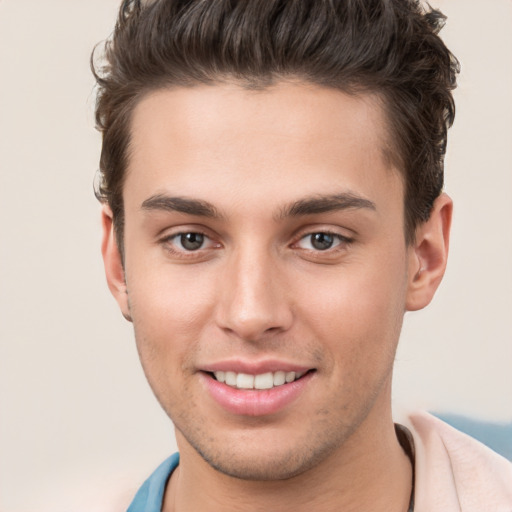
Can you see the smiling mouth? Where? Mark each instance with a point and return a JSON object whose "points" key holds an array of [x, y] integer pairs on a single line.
{"points": [[261, 381]]}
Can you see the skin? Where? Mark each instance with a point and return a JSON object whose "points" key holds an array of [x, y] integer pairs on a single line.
{"points": [[259, 290]]}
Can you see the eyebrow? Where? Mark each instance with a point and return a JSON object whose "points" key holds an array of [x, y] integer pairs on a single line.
{"points": [[322, 204], [162, 202], [306, 206]]}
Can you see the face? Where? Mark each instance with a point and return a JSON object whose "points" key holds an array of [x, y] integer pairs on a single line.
{"points": [[266, 270]]}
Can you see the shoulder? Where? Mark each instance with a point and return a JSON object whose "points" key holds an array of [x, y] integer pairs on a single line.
{"points": [[453, 470]]}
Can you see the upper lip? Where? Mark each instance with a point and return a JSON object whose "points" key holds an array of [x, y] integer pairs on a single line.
{"points": [[254, 367]]}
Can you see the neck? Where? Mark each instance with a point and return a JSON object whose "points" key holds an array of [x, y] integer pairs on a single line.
{"points": [[369, 472]]}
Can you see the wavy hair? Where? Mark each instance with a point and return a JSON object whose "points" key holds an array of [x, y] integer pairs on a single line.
{"points": [[387, 47]]}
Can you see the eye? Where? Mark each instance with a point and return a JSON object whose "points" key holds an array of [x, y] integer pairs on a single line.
{"points": [[321, 241], [189, 241], [189, 246]]}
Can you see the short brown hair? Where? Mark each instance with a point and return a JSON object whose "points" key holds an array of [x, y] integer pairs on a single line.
{"points": [[388, 47]]}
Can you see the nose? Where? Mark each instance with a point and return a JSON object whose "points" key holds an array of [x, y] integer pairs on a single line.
{"points": [[253, 303]]}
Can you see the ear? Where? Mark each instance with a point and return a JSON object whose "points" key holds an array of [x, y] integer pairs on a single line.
{"points": [[428, 255], [113, 263]]}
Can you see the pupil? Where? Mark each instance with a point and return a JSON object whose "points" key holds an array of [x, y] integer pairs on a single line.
{"points": [[192, 241], [322, 241]]}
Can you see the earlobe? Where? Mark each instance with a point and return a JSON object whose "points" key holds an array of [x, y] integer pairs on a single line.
{"points": [[113, 263], [428, 255]]}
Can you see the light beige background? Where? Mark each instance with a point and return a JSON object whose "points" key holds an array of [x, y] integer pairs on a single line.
{"points": [[77, 419]]}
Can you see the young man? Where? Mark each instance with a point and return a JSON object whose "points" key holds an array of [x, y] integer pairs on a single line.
{"points": [[272, 179]]}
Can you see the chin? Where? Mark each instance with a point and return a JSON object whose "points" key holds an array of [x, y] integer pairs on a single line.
{"points": [[264, 460], [260, 468]]}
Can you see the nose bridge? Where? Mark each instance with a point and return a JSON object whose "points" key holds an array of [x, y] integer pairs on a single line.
{"points": [[253, 301]]}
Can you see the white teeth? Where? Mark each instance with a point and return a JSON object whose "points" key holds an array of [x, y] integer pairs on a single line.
{"points": [[245, 381], [279, 378], [230, 378], [290, 377], [261, 381], [264, 381]]}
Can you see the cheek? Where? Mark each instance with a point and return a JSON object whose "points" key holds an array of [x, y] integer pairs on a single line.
{"points": [[169, 312], [357, 310], [169, 298]]}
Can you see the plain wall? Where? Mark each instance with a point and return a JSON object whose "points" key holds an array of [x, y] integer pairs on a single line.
{"points": [[77, 419]]}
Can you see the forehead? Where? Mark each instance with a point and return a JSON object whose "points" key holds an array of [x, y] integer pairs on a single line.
{"points": [[224, 136]]}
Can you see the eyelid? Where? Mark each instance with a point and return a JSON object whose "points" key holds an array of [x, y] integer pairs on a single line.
{"points": [[182, 229], [330, 255], [176, 236], [338, 239], [167, 242], [340, 233]]}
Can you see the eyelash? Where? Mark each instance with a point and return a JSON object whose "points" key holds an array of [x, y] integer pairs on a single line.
{"points": [[169, 243], [342, 241]]}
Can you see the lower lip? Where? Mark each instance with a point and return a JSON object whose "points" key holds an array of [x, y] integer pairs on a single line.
{"points": [[251, 402]]}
